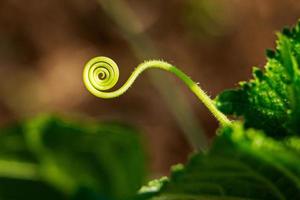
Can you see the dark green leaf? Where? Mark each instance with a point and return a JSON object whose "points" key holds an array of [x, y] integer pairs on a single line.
{"points": [[15, 189], [271, 101], [242, 164]]}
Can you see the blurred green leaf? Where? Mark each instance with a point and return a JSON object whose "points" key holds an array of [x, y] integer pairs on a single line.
{"points": [[14, 189], [90, 160], [242, 164]]}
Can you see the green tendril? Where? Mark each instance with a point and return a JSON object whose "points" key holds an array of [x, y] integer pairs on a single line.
{"points": [[102, 73]]}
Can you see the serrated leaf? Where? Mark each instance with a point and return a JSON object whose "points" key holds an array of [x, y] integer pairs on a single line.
{"points": [[242, 164], [271, 101]]}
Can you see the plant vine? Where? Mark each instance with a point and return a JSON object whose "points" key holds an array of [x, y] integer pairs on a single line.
{"points": [[102, 73]]}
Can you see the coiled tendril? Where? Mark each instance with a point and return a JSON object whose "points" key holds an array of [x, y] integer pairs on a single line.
{"points": [[102, 73]]}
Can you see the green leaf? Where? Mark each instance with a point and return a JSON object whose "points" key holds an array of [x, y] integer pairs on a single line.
{"points": [[271, 101], [13, 144], [242, 164], [92, 160], [14, 189]]}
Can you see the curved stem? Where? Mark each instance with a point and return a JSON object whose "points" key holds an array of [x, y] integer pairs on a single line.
{"points": [[88, 75], [202, 96]]}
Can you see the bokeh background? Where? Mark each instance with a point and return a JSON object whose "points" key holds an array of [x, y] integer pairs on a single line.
{"points": [[45, 44]]}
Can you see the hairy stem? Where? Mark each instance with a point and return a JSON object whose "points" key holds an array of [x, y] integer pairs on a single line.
{"points": [[102, 73], [142, 46]]}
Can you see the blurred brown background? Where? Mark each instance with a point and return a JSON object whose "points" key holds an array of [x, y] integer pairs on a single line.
{"points": [[45, 44]]}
